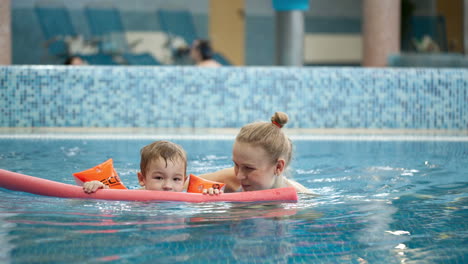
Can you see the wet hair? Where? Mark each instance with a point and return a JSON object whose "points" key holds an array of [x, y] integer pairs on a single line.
{"points": [[204, 47], [269, 136], [162, 149]]}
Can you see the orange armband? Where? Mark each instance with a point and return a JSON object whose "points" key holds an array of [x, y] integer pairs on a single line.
{"points": [[103, 172], [197, 184]]}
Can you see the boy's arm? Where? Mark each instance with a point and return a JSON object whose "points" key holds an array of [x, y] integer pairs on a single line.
{"points": [[93, 186]]}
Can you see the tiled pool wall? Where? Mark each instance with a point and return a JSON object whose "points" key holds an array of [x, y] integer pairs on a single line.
{"points": [[229, 97]]}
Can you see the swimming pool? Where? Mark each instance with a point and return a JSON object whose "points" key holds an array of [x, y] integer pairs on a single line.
{"points": [[379, 201]]}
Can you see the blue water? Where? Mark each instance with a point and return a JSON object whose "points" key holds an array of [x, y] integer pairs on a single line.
{"points": [[378, 202]]}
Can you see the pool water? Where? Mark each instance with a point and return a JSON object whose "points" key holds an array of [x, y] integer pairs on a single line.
{"points": [[377, 202]]}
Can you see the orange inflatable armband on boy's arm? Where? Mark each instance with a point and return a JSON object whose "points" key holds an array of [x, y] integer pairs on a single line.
{"points": [[103, 172], [197, 184]]}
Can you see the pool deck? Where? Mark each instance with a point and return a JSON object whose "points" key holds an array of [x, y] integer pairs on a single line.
{"points": [[229, 133]]}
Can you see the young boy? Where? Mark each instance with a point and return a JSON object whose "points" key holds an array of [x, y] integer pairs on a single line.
{"points": [[163, 167]]}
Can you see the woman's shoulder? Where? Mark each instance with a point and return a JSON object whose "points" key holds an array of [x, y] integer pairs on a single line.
{"points": [[299, 187], [209, 63]]}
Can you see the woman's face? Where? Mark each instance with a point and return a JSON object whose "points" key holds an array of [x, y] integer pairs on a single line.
{"points": [[253, 167], [194, 53]]}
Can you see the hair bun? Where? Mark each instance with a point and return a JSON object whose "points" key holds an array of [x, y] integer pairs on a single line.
{"points": [[279, 119]]}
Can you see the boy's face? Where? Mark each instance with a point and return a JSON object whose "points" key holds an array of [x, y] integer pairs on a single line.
{"points": [[160, 176]]}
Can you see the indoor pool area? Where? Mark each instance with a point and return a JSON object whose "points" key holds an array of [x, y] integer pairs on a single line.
{"points": [[383, 152], [375, 199], [240, 131]]}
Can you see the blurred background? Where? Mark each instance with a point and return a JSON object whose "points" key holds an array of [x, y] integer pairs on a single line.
{"points": [[429, 33]]}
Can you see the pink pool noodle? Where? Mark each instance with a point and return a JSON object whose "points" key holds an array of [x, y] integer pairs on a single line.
{"points": [[24, 183]]}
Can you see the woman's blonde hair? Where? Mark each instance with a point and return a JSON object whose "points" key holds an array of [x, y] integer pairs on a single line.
{"points": [[162, 149], [269, 136]]}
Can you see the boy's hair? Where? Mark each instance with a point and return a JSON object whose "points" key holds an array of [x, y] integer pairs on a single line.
{"points": [[269, 136], [162, 149]]}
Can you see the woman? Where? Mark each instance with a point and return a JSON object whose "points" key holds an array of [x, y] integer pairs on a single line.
{"points": [[261, 154], [202, 54]]}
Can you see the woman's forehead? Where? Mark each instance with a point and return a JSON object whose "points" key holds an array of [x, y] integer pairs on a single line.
{"points": [[248, 153]]}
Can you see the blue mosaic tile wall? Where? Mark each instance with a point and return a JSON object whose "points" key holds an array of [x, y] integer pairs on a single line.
{"points": [[229, 97]]}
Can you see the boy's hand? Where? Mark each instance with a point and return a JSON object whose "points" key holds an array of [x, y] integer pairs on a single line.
{"points": [[93, 186], [212, 191]]}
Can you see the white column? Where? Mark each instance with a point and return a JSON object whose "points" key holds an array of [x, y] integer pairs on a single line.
{"points": [[381, 31], [290, 38]]}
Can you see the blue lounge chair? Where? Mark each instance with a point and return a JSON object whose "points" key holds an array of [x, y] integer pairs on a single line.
{"points": [[56, 26], [179, 23], [106, 26]]}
